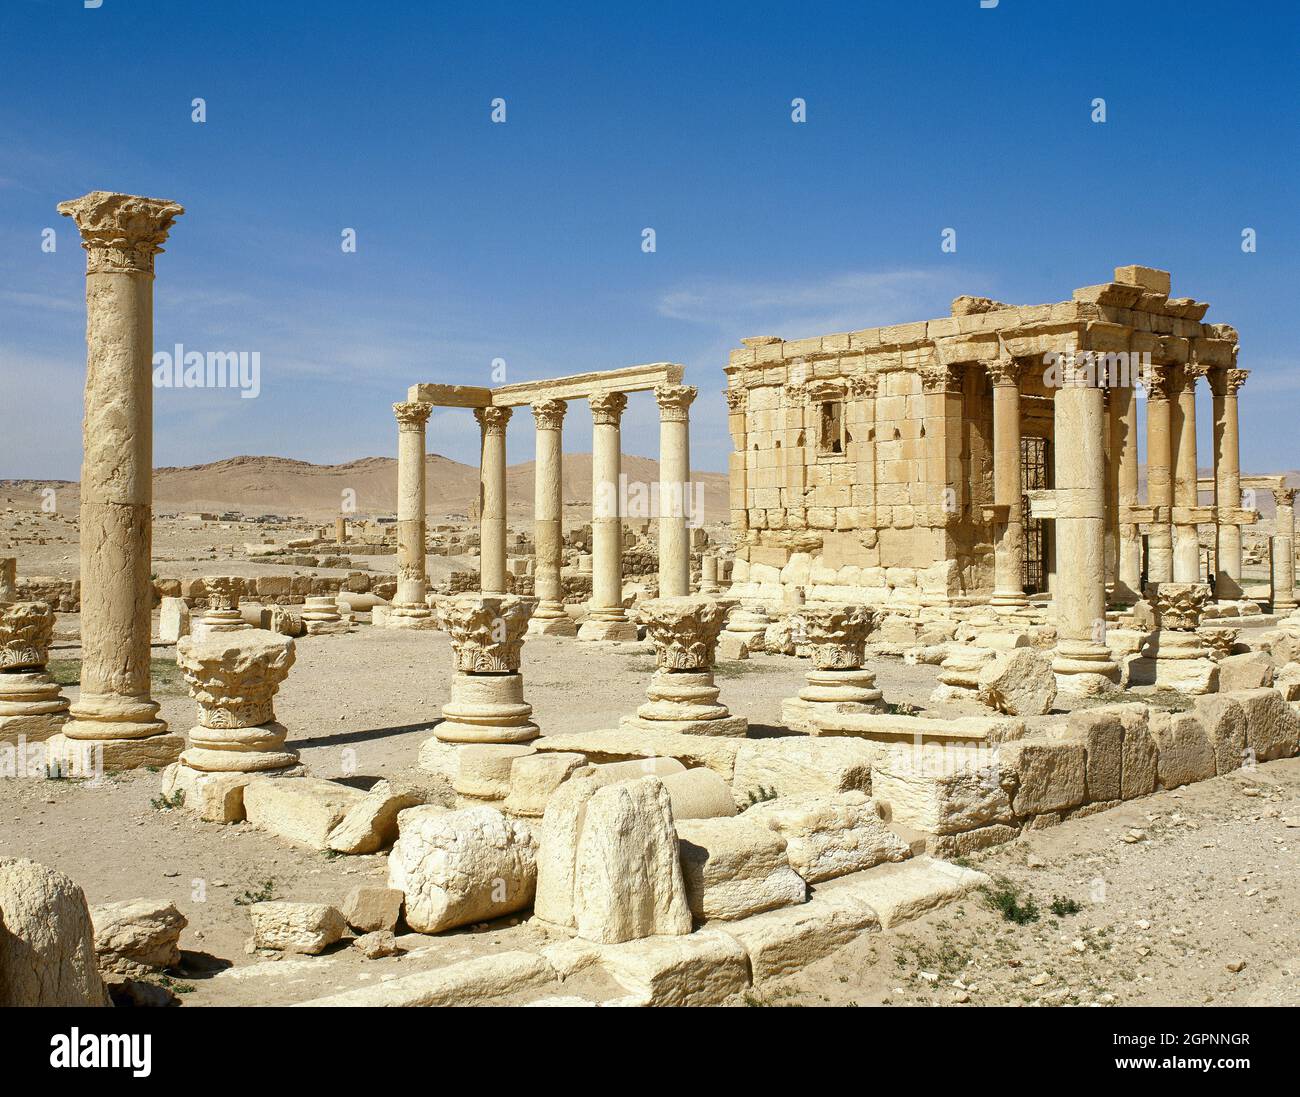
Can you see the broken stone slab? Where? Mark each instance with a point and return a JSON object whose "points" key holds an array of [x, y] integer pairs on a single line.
{"points": [[481, 980], [830, 834], [1102, 736], [627, 875], [1138, 762], [215, 797], [535, 777], [893, 728], [767, 768], [137, 936], [1251, 670], [949, 846], [735, 867], [1018, 682], [1183, 751], [1287, 682], [47, 939], [782, 942], [717, 753], [370, 908], [173, 620], [371, 824], [941, 791], [1224, 721], [302, 810], [377, 944], [697, 969], [903, 892], [306, 928], [1042, 775], [458, 867], [1272, 727]]}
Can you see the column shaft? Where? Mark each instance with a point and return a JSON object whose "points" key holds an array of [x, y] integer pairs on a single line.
{"points": [[412, 579], [1160, 550], [1009, 549], [492, 498], [674, 489], [1187, 550], [549, 618], [1227, 482], [1124, 456], [607, 620], [1284, 551]]}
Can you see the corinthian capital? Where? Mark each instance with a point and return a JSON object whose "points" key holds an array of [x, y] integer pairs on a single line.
{"points": [[1004, 372], [1155, 380], [737, 399], [549, 414], [607, 407], [936, 377], [493, 421], [1233, 379], [412, 415], [26, 629], [674, 401], [121, 232], [487, 631]]}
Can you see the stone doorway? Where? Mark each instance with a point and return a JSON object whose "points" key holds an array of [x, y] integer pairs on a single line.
{"points": [[1033, 476]]}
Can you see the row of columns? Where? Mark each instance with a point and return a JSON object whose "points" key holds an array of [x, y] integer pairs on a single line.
{"points": [[607, 619]]}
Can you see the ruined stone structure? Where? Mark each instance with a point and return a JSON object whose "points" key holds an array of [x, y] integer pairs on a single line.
{"points": [[989, 455]]}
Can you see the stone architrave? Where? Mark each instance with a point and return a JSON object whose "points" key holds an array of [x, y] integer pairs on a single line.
{"points": [[32, 706], [674, 488], [233, 678], [409, 608], [606, 617], [681, 695], [835, 638], [114, 716], [1174, 656], [487, 693], [549, 618]]}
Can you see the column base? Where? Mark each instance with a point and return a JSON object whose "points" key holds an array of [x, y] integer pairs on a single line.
{"points": [[607, 630], [404, 616], [1015, 599], [238, 750], [800, 714], [733, 727], [487, 708], [483, 770], [216, 797], [1086, 669], [1175, 660], [112, 717], [90, 757], [552, 626], [32, 706]]}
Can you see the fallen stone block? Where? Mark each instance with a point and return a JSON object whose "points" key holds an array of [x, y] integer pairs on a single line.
{"points": [[697, 969], [830, 834], [731, 646], [1224, 721], [1018, 682], [534, 777], [733, 868], [782, 942], [458, 867], [1042, 775], [1102, 737], [483, 769], [902, 892], [137, 936], [714, 752], [371, 824], [699, 794], [369, 908], [1138, 763], [377, 944], [948, 846], [1287, 682], [479, 981], [1252, 670], [1272, 727], [306, 928], [798, 764], [1183, 749], [303, 810], [940, 791]]}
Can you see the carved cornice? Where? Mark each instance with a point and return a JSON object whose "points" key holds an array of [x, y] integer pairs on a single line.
{"points": [[412, 415], [121, 232], [607, 408], [492, 421], [674, 402], [549, 414]]}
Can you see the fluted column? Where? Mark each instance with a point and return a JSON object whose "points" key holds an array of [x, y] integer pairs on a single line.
{"points": [[1124, 456], [606, 617], [674, 488], [492, 498], [115, 712], [1187, 549], [1009, 549], [412, 580], [1284, 550], [549, 618], [1225, 384], [1083, 662], [1160, 497]]}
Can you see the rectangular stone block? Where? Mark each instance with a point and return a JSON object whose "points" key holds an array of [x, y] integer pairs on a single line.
{"points": [[940, 791], [1102, 736], [1183, 749], [1042, 775], [703, 968], [903, 892], [767, 768], [735, 867]]}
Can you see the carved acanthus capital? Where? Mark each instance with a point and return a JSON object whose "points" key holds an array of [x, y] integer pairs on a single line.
{"points": [[1284, 496], [233, 676], [1156, 380], [549, 414], [607, 408], [492, 421], [737, 399], [1005, 372], [674, 402], [121, 232], [834, 635], [938, 377], [26, 629], [487, 631], [1178, 606], [864, 386], [412, 415], [1192, 372], [1229, 381], [221, 592], [684, 630]]}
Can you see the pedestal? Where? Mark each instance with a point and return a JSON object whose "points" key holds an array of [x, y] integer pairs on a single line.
{"points": [[32, 706]]}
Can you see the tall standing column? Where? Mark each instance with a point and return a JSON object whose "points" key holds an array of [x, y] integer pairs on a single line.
{"points": [[549, 618], [1160, 547], [1083, 663], [115, 720], [1284, 551], [674, 488], [606, 617], [1124, 457], [409, 609], [492, 499], [1187, 549], [1225, 384], [1009, 550]]}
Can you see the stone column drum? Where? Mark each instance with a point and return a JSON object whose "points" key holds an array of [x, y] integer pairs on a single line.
{"points": [[8, 579], [233, 678], [1174, 656], [606, 617], [835, 638], [121, 235], [549, 618], [1124, 446], [492, 498], [674, 488], [681, 696], [32, 706], [1082, 663], [709, 574], [1284, 550], [409, 609]]}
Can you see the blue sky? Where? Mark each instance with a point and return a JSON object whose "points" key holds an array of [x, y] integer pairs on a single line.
{"points": [[522, 241]]}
